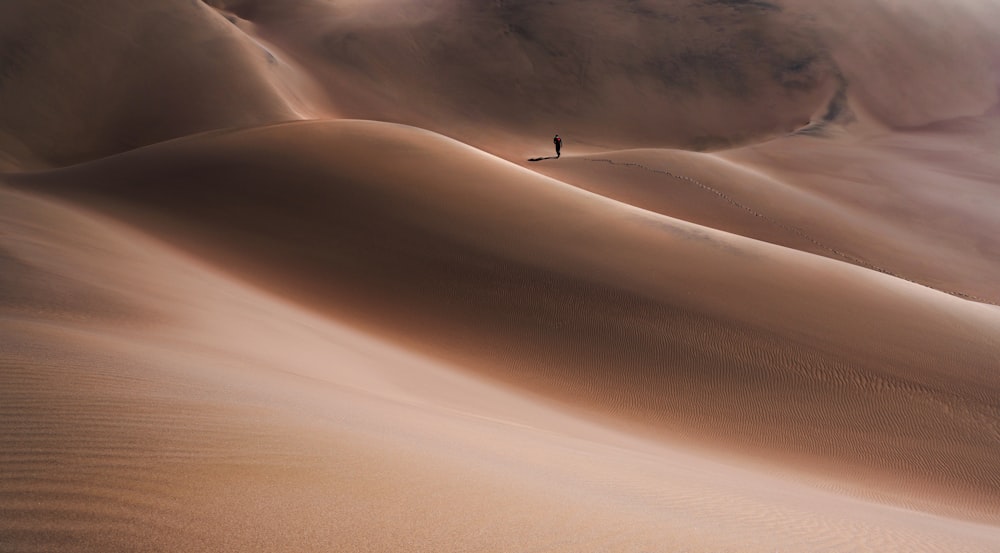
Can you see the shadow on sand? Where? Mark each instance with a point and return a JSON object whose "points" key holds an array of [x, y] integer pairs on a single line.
{"points": [[542, 158]]}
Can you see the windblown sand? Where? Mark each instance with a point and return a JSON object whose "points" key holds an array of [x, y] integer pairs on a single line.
{"points": [[303, 276]]}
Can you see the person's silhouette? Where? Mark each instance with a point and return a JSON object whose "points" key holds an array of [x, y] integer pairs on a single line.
{"points": [[558, 142]]}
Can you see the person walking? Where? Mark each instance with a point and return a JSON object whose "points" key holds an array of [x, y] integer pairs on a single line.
{"points": [[558, 142]]}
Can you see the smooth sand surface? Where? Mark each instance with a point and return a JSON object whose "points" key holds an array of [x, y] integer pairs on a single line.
{"points": [[151, 403], [303, 276]]}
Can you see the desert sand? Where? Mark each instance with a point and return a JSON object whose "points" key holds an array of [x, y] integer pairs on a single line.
{"points": [[299, 275]]}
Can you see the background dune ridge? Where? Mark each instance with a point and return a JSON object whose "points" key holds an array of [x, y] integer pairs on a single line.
{"points": [[401, 325]]}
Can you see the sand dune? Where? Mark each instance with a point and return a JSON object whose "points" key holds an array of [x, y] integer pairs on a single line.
{"points": [[915, 205], [535, 282], [151, 403], [281, 276], [639, 73], [81, 82], [648, 72]]}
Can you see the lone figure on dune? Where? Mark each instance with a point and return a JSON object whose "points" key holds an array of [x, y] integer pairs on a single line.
{"points": [[558, 142]]}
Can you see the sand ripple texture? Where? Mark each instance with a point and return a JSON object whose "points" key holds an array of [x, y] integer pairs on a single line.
{"points": [[303, 275], [152, 402]]}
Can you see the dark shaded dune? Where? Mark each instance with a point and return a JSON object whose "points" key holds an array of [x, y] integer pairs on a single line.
{"points": [[616, 310], [910, 64], [84, 80], [698, 74], [702, 75]]}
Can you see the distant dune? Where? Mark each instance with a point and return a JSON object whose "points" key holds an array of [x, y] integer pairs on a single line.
{"points": [[304, 275]]}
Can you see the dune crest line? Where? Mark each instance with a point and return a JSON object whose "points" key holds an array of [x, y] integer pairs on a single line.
{"points": [[285, 275], [853, 259]]}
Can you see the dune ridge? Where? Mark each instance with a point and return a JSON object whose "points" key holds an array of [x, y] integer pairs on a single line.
{"points": [[253, 425], [568, 293], [759, 200], [300, 275]]}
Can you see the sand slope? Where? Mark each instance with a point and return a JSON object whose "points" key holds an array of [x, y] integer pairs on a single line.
{"points": [[916, 205], [532, 281], [281, 276], [84, 81], [638, 73], [150, 403]]}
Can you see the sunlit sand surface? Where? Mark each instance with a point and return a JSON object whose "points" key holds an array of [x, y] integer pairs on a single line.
{"points": [[304, 276]]}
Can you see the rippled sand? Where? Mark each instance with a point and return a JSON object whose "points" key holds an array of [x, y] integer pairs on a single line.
{"points": [[308, 281]]}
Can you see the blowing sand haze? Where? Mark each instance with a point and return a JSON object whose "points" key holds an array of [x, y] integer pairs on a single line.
{"points": [[304, 275]]}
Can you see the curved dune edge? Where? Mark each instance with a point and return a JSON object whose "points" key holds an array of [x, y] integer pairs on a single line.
{"points": [[916, 206], [666, 325], [360, 336], [705, 75], [153, 403]]}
